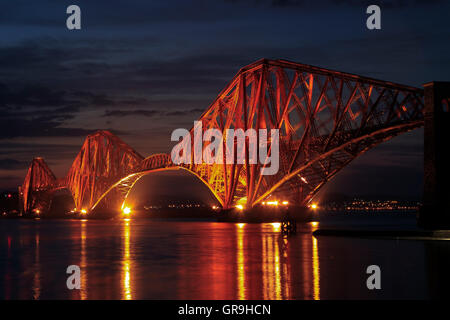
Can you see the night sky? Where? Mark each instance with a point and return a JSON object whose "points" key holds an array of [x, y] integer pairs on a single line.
{"points": [[144, 68]]}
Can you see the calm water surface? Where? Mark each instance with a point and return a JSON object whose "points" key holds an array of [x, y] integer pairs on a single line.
{"points": [[147, 259]]}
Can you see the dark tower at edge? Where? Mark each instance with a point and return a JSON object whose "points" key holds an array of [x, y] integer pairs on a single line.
{"points": [[435, 212]]}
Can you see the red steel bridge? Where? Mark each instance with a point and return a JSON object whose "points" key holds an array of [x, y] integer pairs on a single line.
{"points": [[326, 119]]}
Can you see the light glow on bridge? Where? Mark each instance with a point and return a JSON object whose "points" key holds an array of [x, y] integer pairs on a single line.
{"points": [[275, 203], [126, 211]]}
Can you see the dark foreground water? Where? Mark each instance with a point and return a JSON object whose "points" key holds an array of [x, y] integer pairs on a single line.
{"points": [[144, 259]]}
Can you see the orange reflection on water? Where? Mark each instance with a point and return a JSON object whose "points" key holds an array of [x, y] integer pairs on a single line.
{"points": [[37, 273], [83, 263], [240, 261], [286, 269], [271, 266], [276, 226], [315, 258], [316, 270], [126, 262]]}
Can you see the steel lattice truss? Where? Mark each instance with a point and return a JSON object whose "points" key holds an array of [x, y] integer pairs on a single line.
{"points": [[102, 160], [326, 119], [39, 182]]}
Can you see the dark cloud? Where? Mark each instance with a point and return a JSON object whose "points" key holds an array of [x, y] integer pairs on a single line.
{"points": [[201, 72], [29, 55], [12, 164], [185, 112], [22, 150], [86, 63], [381, 3], [9, 178], [134, 13], [39, 111], [35, 111], [32, 95], [40, 124], [95, 99], [134, 101], [11, 128], [150, 113], [124, 113], [327, 3]]}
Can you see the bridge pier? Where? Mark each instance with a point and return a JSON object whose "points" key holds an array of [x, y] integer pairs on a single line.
{"points": [[435, 212]]}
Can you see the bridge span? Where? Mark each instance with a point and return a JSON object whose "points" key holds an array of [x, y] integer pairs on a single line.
{"points": [[326, 119]]}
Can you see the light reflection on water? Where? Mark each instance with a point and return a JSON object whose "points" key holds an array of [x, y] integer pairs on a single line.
{"points": [[316, 269], [143, 259], [126, 273], [240, 261], [83, 262], [37, 273], [315, 259], [271, 263]]}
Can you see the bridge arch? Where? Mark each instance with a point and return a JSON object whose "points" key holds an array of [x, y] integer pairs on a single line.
{"points": [[126, 184], [152, 164]]}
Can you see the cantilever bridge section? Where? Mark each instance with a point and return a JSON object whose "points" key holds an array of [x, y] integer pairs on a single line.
{"points": [[325, 119]]}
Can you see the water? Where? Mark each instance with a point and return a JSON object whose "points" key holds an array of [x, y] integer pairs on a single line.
{"points": [[145, 259]]}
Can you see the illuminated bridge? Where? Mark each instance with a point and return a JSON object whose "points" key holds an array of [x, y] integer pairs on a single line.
{"points": [[326, 119]]}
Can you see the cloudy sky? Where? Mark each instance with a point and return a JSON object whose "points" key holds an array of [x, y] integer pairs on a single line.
{"points": [[143, 68]]}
